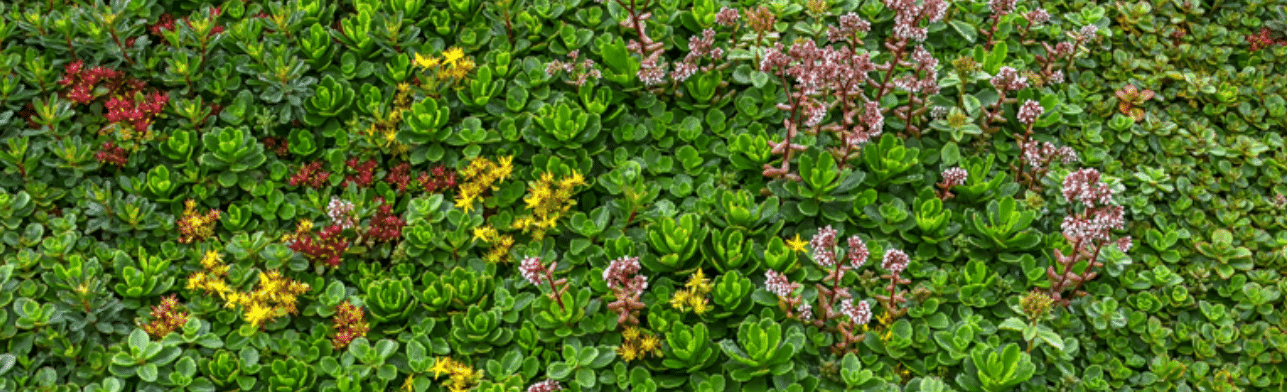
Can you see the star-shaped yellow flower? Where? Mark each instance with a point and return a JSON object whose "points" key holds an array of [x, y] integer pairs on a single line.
{"points": [[426, 62], [797, 244], [452, 55], [440, 366]]}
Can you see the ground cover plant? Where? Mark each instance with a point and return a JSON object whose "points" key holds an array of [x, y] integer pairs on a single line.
{"points": [[642, 195]]}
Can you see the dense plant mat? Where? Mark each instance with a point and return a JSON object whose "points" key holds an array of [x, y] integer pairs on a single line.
{"points": [[642, 195]]}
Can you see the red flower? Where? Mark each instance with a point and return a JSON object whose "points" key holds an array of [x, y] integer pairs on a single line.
{"points": [[385, 226], [311, 175], [109, 153]]}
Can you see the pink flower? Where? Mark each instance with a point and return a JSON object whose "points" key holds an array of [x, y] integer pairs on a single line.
{"points": [[779, 284], [726, 17], [824, 245], [955, 176], [1001, 7], [532, 269], [1008, 79], [858, 314], [1037, 17], [1029, 112], [1084, 186], [895, 261], [857, 252], [805, 311], [545, 386], [620, 274]]}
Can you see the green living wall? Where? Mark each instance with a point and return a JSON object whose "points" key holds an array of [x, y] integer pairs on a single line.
{"points": [[642, 195]]}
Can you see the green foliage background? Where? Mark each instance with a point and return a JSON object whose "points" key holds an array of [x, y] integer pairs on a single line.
{"points": [[674, 178]]}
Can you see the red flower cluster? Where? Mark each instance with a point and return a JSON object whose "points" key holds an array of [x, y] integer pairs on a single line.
{"points": [[364, 173], [310, 175], [81, 81], [1263, 39], [325, 247], [137, 113], [166, 318], [109, 153], [166, 23], [386, 226], [128, 103], [281, 146], [350, 323], [399, 176], [439, 179]]}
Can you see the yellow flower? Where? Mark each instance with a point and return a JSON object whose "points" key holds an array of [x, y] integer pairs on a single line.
{"points": [[258, 314], [573, 180], [426, 62], [304, 226], [699, 305], [465, 201], [196, 280], [211, 260], [505, 166], [442, 365], [452, 55], [627, 352], [485, 233], [650, 343], [631, 333], [796, 244], [680, 299], [699, 284]]}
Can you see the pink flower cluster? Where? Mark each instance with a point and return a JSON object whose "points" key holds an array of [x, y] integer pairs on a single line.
{"points": [[727, 17], [1038, 154], [1008, 79], [532, 269], [580, 73], [850, 26], [777, 283], [341, 213], [909, 15], [1094, 225], [858, 314], [628, 288], [927, 66], [955, 176], [895, 261], [1037, 17], [621, 274], [545, 386], [1084, 186], [1001, 8], [1029, 112], [824, 249]]}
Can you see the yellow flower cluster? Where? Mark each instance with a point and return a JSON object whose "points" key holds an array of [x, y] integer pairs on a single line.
{"points": [[482, 175], [460, 376], [638, 344], [196, 226], [548, 199], [276, 295], [383, 131], [500, 244], [448, 70], [693, 296]]}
